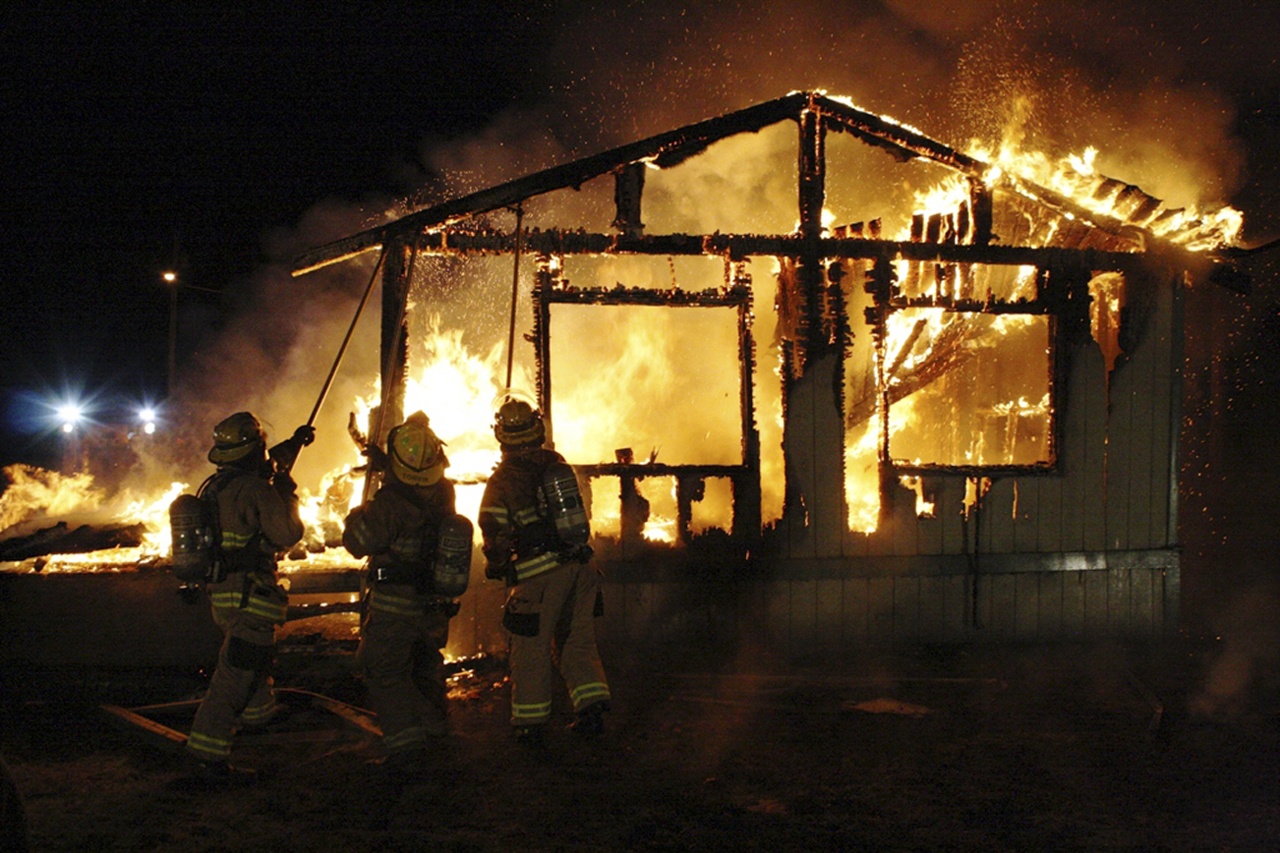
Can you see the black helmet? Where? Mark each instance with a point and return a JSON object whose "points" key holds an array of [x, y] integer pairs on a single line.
{"points": [[236, 437], [518, 424]]}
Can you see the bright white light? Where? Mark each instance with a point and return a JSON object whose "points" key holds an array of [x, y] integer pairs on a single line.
{"points": [[70, 414], [149, 428], [147, 414]]}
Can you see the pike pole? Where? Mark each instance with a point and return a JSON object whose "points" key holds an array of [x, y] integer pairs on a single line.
{"points": [[515, 295], [286, 452], [342, 350]]}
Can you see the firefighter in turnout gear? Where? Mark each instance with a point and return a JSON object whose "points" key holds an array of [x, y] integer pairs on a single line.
{"points": [[258, 518], [553, 594], [406, 625]]}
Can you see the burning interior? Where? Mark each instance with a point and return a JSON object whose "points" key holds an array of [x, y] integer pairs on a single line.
{"points": [[821, 375]]}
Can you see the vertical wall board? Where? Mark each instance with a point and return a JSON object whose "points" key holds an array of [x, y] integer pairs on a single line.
{"points": [[949, 509], [1073, 431], [1095, 603], [803, 621], [879, 609], [1074, 586], [1142, 449], [777, 615], [1144, 602], [854, 544], [857, 607], [1026, 520], [906, 608], [997, 518], [1026, 605], [1164, 433], [1170, 591], [751, 611], [799, 451], [906, 525], [958, 601], [1051, 601], [637, 603], [929, 535], [1121, 446], [880, 542], [1093, 489], [829, 627], [828, 422], [938, 607], [613, 625], [931, 608], [1002, 606], [1118, 601], [1049, 514]]}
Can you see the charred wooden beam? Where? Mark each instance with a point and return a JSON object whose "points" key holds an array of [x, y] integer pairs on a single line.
{"points": [[557, 242], [639, 471], [397, 274], [736, 295], [900, 140], [628, 189]]}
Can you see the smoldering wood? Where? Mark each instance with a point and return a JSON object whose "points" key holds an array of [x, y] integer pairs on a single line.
{"points": [[61, 538]]}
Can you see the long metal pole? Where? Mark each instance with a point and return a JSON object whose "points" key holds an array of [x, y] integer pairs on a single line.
{"points": [[173, 334], [515, 295], [343, 349]]}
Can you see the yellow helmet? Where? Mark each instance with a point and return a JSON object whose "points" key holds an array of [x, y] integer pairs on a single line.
{"points": [[518, 424], [236, 437], [416, 453]]}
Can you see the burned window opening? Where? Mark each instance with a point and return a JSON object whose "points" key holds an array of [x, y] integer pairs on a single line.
{"points": [[639, 523]]}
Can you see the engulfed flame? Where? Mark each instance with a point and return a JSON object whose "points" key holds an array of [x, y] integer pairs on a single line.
{"points": [[1076, 177], [37, 498], [621, 373]]}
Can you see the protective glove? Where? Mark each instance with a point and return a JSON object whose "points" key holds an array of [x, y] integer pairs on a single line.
{"points": [[496, 571], [284, 484], [304, 435], [377, 457]]}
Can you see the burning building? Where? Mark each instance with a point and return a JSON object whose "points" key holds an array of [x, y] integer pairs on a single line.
{"points": [[830, 381]]}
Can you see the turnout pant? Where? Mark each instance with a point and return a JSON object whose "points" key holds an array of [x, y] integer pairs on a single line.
{"points": [[241, 690], [400, 655], [551, 617]]}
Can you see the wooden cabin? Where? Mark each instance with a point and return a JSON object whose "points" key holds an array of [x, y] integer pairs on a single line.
{"points": [[948, 424]]}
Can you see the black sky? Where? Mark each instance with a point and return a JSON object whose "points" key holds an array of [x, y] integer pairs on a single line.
{"points": [[145, 134]]}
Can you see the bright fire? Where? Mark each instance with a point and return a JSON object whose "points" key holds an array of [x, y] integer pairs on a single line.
{"points": [[618, 388]]}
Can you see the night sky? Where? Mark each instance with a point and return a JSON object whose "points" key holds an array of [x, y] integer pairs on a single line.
{"points": [[221, 139]]}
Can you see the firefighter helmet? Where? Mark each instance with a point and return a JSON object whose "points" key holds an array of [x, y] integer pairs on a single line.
{"points": [[236, 437], [518, 424], [417, 453]]}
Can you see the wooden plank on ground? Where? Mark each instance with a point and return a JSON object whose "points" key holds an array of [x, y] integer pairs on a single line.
{"points": [[152, 732]]}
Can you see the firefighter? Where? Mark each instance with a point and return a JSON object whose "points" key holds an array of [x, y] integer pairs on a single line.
{"points": [[406, 624], [553, 594], [258, 518]]}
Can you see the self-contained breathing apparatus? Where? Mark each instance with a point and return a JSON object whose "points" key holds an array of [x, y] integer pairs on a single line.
{"points": [[196, 550], [566, 510], [451, 569], [193, 522], [442, 566], [560, 524]]}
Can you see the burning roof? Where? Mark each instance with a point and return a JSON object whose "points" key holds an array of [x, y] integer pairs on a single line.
{"points": [[1094, 203]]}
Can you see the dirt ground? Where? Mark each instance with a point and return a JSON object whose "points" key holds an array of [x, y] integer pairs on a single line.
{"points": [[1029, 749]]}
